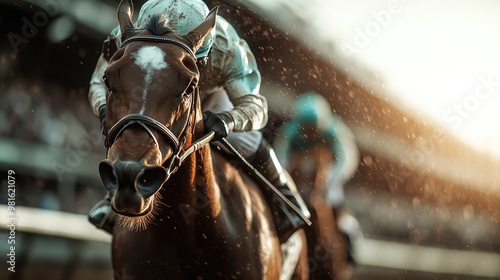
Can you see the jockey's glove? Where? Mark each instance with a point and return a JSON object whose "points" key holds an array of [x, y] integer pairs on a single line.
{"points": [[221, 124]]}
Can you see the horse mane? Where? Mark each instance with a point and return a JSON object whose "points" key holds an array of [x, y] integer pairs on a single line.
{"points": [[157, 24]]}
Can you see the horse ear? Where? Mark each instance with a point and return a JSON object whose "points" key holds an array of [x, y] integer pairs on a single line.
{"points": [[124, 13], [197, 35]]}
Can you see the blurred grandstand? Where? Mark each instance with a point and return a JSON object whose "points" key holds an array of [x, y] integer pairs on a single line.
{"points": [[417, 187]]}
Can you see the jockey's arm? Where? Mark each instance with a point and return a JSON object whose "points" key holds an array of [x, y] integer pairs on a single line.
{"points": [[242, 83], [97, 89]]}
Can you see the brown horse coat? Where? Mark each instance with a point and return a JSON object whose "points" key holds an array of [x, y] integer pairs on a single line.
{"points": [[198, 220]]}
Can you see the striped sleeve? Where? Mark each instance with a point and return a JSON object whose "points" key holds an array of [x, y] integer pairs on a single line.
{"points": [[97, 90]]}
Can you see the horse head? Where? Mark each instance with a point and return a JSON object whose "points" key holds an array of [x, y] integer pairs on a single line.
{"points": [[151, 97]]}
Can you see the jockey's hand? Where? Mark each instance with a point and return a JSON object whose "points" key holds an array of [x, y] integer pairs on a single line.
{"points": [[221, 124]]}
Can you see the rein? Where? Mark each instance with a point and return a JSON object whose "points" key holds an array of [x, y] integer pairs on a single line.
{"points": [[148, 123]]}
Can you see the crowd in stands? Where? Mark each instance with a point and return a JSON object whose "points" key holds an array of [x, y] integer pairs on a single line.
{"points": [[44, 112], [39, 112]]}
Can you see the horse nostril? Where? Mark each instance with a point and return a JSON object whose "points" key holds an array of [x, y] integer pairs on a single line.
{"points": [[151, 180], [107, 176]]}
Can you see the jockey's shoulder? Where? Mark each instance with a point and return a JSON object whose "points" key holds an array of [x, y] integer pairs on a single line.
{"points": [[226, 37]]}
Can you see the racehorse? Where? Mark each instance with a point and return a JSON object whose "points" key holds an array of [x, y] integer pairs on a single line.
{"points": [[327, 247], [183, 211]]}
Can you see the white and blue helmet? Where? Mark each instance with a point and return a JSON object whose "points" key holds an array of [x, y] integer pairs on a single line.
{"points": [[181, 16]]}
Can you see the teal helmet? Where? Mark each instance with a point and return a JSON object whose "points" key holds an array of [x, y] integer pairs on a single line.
{"points": [[182, 16], [312, 110]]}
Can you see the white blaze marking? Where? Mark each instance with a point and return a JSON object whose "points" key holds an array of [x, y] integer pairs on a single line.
{"points": [[149, 59]]}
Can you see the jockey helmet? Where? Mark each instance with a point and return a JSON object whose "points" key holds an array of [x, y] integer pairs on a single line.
{"points": [[312, 110], [182, 17]]}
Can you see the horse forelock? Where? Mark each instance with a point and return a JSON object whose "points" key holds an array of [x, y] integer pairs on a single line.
{"points": [[158, 25]]}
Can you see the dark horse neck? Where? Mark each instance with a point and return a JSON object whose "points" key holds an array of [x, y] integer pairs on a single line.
{"points": [[211, 224], [192, 195], [196, 187], [196, 222]]}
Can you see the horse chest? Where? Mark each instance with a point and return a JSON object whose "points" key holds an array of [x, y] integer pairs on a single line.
{"points": [[137, 255]]}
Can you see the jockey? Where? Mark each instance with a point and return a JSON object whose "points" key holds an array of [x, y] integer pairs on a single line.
{"points": [[232, 105], [313, 123]]}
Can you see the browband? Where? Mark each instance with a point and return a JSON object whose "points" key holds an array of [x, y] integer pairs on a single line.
{"points": [[153, 38]]}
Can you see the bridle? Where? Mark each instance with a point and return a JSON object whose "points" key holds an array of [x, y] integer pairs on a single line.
{"points": [[173, 163], [180, 153], [159, 39]]}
